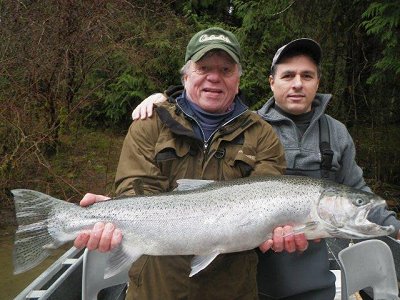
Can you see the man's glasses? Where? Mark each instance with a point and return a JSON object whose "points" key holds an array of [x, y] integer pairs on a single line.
{"points": [[225, 71]]}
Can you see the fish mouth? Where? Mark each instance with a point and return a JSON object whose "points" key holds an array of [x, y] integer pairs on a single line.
{"points": [[364, 232], [359, 227]]}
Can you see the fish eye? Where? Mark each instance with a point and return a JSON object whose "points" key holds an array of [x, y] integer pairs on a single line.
{"points": [[359, 201]]}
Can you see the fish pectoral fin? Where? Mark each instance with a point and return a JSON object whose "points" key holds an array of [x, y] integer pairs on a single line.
{"points": [[200, 262], [309, 226], [120, 260], [191, 184]]}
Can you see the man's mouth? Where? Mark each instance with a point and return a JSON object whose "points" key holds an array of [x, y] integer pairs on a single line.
{"points": [[211, 90], [296, 97]]}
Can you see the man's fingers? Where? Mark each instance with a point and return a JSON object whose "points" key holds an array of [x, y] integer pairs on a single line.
{"points": [[95, 236], [278, 239], [301, 242], [145, 108], [82, 239], [290, 245], [101, 198], [90, 198], [103, 237], [149, 109], [116, 238], [264, 247], [105, 240], [135, 114]]}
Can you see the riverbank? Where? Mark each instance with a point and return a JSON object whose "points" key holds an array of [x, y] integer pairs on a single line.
{"points": [[85, 161]]}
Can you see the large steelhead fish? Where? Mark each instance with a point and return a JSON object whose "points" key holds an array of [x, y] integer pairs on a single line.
{"points": [[203, 218]]}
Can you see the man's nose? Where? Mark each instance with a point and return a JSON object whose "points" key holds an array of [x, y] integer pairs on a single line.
{"points": [[297, 82], [214, 75]]}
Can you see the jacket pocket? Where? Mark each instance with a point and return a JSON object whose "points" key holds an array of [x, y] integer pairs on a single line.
{"points": [[173, 158], [170, 149], [166, 155], [234, 162], [245, 163]]}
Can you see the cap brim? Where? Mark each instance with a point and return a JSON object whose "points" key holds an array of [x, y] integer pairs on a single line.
{"points": [[199, 54]]}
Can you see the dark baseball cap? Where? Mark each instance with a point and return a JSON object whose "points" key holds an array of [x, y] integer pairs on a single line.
{"points": [[210, 39], [303, 45]]}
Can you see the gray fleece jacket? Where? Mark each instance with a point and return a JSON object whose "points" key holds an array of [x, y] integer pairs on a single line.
{"points": [[290, 274]]}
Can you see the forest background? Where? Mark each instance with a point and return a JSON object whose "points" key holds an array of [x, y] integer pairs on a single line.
{"points": [[71, 71]]}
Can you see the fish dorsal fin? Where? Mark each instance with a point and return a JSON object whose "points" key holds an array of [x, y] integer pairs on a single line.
{"points": [[192, 184], [200, 262]]}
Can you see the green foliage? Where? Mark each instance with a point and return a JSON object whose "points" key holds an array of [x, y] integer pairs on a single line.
{"points": [[206, 13], [112, 105], [122, 96], [382, 20]]}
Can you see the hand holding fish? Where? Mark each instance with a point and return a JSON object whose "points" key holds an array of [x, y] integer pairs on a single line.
{"points": [[104, 236], [285, 239]]}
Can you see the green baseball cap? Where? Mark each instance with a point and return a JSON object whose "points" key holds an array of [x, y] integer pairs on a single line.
{"points": [[212, 38]]}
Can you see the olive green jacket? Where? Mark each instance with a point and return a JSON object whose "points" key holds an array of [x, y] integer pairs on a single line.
{"points": [[158, 151]]}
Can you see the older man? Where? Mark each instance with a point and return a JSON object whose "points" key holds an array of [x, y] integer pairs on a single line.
{"points": [[208, 133]]}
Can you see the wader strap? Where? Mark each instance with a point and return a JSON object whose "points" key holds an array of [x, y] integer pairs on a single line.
{"points": [[325, 147]]}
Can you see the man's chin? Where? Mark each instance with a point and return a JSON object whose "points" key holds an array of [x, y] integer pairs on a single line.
{"points": [[212, 106], [298, 109]]}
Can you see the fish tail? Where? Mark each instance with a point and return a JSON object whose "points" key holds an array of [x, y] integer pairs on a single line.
{"points": [[33, 242]]}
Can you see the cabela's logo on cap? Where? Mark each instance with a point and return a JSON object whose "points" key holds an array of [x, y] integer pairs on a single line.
{"points": [[206, 37]]}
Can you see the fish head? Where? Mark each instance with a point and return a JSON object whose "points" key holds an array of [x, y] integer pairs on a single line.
{"points": [[344, 211]]}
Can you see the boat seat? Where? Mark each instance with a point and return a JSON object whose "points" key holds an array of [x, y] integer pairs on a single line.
{"points": [[94, 264], [368, 264]]}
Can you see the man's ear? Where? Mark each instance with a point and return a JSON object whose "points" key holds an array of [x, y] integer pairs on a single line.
{"points": [[185, 77], [271, 82]]}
